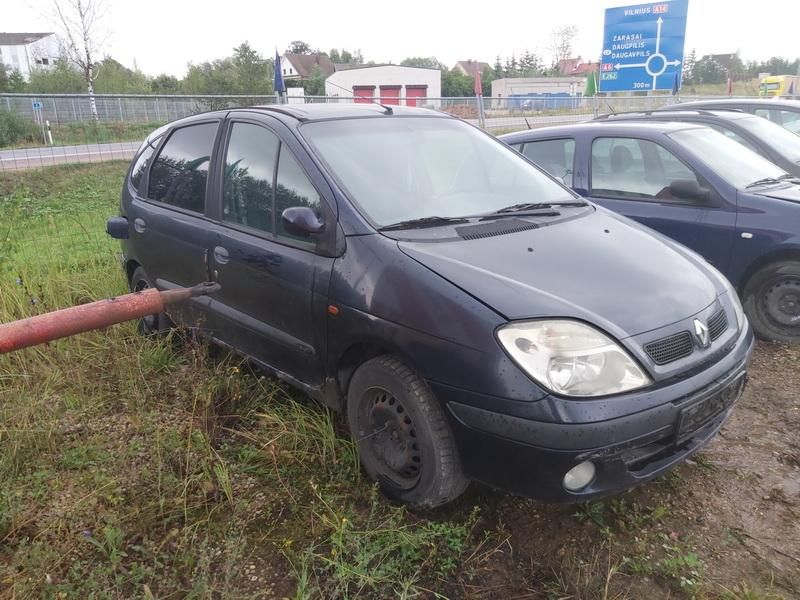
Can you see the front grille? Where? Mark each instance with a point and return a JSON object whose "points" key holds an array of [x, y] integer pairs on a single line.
{"points": [[670, 348], [717, 324]]}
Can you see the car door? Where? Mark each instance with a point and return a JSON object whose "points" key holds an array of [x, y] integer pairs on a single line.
{"points": [[170, 225], [272, 305], [633, 176]]}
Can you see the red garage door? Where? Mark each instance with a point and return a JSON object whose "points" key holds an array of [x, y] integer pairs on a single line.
{"points": [[415, 94], [390, 94], [363, 93]]}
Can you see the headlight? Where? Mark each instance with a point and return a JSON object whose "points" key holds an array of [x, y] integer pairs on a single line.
{"points": [[737, 308], [571, 358]]}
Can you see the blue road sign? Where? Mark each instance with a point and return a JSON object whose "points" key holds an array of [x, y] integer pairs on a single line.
{"points": [[35, 105], [643, 46]]}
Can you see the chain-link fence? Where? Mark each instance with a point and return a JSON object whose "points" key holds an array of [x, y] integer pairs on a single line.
{"points": [[40, 130]]}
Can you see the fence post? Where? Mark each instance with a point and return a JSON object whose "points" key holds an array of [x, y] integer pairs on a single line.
{"points": [[119, 101]]}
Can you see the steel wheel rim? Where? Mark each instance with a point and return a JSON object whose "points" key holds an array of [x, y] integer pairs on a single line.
{"points": [[781, 303], [392, 438]]}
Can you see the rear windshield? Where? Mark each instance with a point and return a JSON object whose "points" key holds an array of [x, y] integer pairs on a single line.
{"points": [[402, 168]]}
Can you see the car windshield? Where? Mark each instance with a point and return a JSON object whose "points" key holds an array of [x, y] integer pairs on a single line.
{"points": [[732, 161], [783, 141], [402, 168]]}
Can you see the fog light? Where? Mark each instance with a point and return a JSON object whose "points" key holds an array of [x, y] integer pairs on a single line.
{"points": [[580, 476]]}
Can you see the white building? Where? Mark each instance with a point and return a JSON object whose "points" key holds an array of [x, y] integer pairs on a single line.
{"points": [[25, 52], [387, 84], [521, 86]]}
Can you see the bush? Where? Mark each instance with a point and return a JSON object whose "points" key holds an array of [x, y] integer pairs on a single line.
{"points": [[15, 129]]}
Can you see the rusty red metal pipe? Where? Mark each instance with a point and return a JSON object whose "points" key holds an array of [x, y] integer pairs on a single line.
{"points": [[96, 315]]}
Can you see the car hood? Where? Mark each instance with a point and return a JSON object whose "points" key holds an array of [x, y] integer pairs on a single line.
{"points": [[600, 268], [789, 192]]}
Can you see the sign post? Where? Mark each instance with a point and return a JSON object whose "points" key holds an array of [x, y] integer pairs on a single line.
{"points": [[643, 47]]}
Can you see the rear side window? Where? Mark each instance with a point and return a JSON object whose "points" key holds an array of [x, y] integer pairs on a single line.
{"points": [[554, 156], [249, 172], [140, 165], [179, 175]]}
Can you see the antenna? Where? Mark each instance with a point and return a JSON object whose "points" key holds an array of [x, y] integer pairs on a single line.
{"points": [[526, 123], [387, 109], [613, 112]]}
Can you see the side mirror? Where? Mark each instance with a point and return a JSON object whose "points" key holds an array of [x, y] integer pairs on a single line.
{"points": [[117, 228], [301, 221], [689, 189]]}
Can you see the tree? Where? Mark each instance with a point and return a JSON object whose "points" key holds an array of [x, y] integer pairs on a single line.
{"points": [[498, 68], [530, 65], [164, 84], [61, 77], [315, 84], [299, 47], [80, 22], [115, 78], [345, 57], [456, 84], [423, 62], [253, 72], [708, 70], [561, 43], [689, 63]]}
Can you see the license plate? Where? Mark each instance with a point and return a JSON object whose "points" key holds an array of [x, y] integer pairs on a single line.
{"points": [[698, 414]]}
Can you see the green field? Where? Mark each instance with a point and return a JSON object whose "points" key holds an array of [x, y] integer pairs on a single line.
{"points": [[138, 467]]}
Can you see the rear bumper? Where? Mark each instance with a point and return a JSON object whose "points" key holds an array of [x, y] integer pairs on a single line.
{"points": [[531, 457]]}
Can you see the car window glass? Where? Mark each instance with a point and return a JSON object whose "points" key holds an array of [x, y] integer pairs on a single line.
{"points": [[140, 165], [293, 189], [249, 173], [790, 120], [554, 156], [727, 132], [636, 169], [178, 176], [762, 112]]}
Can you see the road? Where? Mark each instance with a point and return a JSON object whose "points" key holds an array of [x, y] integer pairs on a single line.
{"points": [[30, 158]]}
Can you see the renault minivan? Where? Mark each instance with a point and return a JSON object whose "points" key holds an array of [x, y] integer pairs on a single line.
{"points": [[473, 317]]}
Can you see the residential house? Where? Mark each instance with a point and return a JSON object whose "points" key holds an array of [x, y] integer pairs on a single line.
{"points": [[468, 67], [571, 67], [299, 67], [25, 52]]}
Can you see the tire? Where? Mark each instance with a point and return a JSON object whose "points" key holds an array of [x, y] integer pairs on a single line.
{"points": [[403, 438], [151, 324], [772, 302]]}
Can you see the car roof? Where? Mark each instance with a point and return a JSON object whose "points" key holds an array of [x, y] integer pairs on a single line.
{"points": [[622, 127], [349, 110], [733, 102], [727, 115]]}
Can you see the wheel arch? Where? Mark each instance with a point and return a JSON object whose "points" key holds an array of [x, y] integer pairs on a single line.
{"points": [[130, 268], [777, 255]]}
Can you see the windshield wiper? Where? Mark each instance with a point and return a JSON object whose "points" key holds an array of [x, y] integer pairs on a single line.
{"points": [[423, 222], [764, 181], [525, 206]]}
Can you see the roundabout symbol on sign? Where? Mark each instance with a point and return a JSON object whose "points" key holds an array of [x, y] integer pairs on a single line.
{"points": [[656, 63]]}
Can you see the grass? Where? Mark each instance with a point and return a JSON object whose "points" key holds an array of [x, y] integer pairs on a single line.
{"points": [[84, 132], [141, 467]]}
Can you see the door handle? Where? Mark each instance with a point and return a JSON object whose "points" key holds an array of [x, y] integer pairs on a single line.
{"points": [[221, 255], [139, 225]]}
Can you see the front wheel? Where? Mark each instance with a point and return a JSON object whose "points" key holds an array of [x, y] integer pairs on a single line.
{"points": [[403, 438], [771, 301]]}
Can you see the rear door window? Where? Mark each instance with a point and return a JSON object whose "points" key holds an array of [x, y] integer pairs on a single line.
{"points": [[179, 175], [557, 157], [635, 169]]}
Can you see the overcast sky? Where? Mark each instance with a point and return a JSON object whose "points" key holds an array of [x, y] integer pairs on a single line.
{"points": [[164, 35]]}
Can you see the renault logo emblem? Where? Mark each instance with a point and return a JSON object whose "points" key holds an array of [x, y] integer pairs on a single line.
{"points": [[701, 331]]}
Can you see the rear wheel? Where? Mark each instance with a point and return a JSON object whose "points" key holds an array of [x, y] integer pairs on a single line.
{"points": [[772, 302], [404, 440], [150, 324]]}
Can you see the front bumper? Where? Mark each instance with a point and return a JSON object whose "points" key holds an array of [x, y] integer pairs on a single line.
{"points": [[531, 457]]}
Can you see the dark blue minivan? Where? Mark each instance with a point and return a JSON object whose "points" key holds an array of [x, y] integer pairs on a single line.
{"points": [[699, 187], [474, 319]]}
